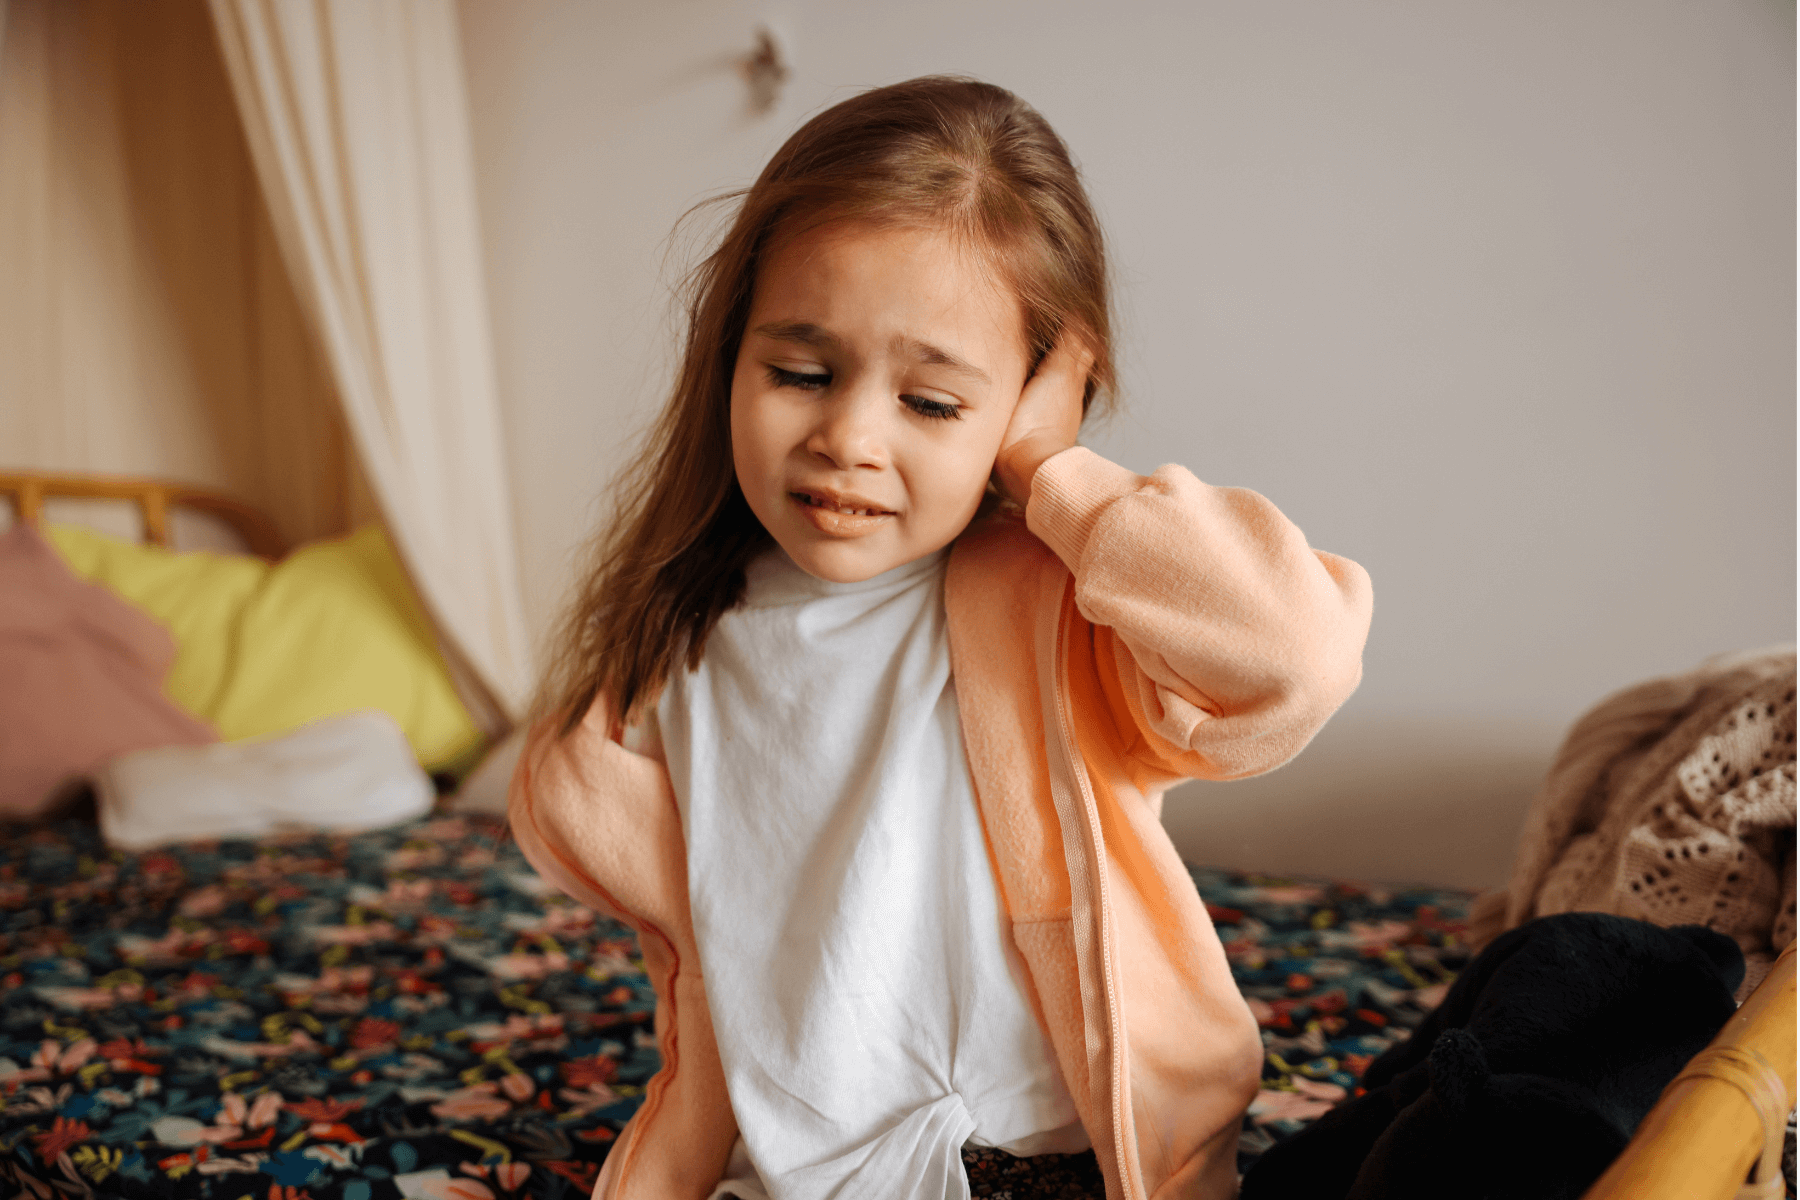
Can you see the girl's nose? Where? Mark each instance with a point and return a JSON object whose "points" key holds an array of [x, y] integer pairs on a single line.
{"points": [[849, 433]]}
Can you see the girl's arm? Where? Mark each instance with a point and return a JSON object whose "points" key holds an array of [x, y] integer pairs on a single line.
{"points": [[1230, 639], [1223, 636], [597, 819]]}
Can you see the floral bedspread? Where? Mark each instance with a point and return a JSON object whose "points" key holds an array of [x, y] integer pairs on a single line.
{"points": [[413, 1013], [405, 1013], [1335, 973]]}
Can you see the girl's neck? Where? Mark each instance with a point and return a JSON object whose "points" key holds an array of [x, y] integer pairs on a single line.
{"points": [[773, 579]]}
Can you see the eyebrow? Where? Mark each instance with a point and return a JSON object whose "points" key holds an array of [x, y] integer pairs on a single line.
{"points": [[807, 334]]}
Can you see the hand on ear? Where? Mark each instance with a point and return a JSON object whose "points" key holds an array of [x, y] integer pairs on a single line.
{"points": [[1047, 418]]}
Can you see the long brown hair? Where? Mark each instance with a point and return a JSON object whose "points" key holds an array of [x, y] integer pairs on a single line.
{"points": [[942, 152]]}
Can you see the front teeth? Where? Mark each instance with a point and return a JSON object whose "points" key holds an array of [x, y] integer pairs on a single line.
{"points": [[854, 512]]}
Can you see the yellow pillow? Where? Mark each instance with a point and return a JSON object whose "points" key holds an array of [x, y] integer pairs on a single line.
{"points": [[333, 627], [196, 597]]}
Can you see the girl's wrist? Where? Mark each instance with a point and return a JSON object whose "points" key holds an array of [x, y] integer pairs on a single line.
{"points": [[1019, 465]]}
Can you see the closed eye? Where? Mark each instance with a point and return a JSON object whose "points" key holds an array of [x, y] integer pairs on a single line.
{"points": [[813, 381], [806, 381], [937, 410]]}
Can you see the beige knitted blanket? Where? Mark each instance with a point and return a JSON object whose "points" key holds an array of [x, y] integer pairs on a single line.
{"points": [[1671, 802]]}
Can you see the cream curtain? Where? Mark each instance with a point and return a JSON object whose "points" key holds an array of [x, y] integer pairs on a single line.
{"points": [[357, 121], [147, 325]]}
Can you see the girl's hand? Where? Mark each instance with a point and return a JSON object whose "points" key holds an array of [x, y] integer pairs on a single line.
{"points": [[1047, 418]]}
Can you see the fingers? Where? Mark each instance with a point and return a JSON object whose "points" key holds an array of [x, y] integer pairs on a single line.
{"points": [[1047, 419], [1054, 394], [1071, 355]]}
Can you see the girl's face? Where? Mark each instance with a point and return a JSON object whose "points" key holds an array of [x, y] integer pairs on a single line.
{"points": [[877, 374]]}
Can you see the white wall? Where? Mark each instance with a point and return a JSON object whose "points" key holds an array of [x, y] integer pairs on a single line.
{"points": [[1497, 299]]}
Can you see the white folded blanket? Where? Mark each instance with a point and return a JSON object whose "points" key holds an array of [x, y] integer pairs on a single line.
{"points": [[344, 773]]}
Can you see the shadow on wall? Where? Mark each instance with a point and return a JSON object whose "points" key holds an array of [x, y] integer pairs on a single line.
{"points": [[1377, 799]]}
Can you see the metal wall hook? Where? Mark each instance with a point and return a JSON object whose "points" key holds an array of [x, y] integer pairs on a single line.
{"points": [[765, 69]]}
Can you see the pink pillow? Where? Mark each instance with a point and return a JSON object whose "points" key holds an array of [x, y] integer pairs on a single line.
{"points": [[81, 676]]}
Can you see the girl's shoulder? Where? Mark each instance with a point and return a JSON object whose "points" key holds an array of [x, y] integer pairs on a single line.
{"points": [[998, 557], [999, 539]]}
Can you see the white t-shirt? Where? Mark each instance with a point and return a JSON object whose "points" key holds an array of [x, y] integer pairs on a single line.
{"points": [[869, 1006]]}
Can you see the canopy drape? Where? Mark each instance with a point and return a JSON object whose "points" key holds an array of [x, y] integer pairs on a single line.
{"points": [[147, 322], [357, 120]]}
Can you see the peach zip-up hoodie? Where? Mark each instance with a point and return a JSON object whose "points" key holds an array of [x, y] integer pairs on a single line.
{"points": [[1131, 632]]}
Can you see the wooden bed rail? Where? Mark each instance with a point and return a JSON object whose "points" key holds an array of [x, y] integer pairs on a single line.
{"points": [[154, 499], [1704, 1135]]}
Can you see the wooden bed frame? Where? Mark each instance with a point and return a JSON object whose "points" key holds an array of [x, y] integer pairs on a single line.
{"points": [[1705, 1134], [154, 499], [1698, 1143]]}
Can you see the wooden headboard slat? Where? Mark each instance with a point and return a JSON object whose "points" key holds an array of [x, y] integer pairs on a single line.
{"points": [[154, 499]]}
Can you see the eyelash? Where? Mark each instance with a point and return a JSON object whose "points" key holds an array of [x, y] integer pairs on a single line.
{"points": [[808, 381]]}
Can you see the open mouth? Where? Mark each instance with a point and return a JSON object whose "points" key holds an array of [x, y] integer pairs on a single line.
{"points": [[840, 515], [852, 506]]}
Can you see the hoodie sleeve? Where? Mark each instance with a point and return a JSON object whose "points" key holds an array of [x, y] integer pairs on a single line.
{"points": [[1229, 641]]}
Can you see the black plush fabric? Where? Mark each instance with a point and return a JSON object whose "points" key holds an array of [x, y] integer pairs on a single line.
{"points": [[1529, 1078]]}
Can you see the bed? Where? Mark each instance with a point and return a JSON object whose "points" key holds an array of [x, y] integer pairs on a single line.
{"points": [[398, 1013], [413, 1012]]}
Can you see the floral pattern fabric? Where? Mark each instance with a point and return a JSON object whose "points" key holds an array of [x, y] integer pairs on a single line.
{"points": [[414, 1013], [408, 1013], [1335, 973]]}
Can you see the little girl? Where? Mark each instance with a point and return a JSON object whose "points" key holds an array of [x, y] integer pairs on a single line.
{"points": [[868, 706]]}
